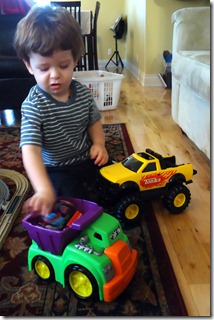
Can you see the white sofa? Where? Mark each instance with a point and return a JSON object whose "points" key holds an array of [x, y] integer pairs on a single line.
{"points": [[191, 74]]}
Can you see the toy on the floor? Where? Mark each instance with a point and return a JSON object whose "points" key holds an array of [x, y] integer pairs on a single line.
{"points": [[89, 252], [64, 214], [167, 76], [4, 193], [143, 176], [11, 200]]}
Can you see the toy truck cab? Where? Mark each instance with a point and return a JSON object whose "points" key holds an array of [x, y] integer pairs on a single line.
{"points": [[144, 176], [97, 262]]}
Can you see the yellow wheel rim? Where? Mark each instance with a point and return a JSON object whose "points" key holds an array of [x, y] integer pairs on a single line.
{"points": [[42, 269], [132, 211], [80, 284], [179, 200]]}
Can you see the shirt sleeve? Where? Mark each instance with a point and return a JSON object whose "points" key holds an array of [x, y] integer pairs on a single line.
{"points": [[31, 124], [94, 113]]}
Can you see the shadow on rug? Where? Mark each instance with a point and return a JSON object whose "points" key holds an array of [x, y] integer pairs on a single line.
{"points": [[152, 292]]}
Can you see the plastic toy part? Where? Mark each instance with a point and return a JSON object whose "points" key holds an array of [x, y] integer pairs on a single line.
{"points": [[63, 215], [4, 193], [90, 253], [54, 240], [80, 283]]}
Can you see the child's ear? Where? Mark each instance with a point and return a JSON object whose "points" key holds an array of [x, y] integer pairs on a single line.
{"points": [[28, 66], [76, 61]]}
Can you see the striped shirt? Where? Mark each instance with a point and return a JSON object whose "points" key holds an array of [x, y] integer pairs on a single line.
{"points": [[59, 128]]}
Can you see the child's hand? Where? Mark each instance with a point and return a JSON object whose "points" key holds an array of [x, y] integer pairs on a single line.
{"points": [[40, 202], [99, 154]]}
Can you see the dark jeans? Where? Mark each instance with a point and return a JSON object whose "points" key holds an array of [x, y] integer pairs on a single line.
{"points": [[76, 181]]}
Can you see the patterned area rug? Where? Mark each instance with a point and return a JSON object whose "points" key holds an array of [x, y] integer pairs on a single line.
{"points": [[152, 292]]}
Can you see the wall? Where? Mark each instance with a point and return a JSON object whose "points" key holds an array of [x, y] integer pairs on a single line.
{"points": [[136, 35], [149, 33], [109, 11], [154, 35], [161, 27]]}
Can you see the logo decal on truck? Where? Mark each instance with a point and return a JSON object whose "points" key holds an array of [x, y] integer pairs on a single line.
{"points": [[115, 233], [156, 179]]}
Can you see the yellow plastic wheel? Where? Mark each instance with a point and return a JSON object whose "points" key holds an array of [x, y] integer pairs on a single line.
{"points": [[80, 284], [129, 209], [179, 200], [42, 269], [132, 211]]}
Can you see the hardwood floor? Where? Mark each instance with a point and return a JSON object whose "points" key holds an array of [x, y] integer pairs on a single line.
{"points": [[147, 114]]}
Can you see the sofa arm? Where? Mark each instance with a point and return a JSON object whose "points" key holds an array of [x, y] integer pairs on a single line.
{"points": [[191, 29]]}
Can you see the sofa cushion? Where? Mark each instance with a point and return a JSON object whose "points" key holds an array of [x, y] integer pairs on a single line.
{"points": [[10, 65], [192, 29], [13, 67], [14, 91], [192, 70], [8, 25]]}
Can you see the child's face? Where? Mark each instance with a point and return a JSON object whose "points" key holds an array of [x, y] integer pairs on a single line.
{"points": [[53, 73]]}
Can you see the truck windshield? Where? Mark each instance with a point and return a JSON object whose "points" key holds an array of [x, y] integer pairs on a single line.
{"points": [[132, 164]]}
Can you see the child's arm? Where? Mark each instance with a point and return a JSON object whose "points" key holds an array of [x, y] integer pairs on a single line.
{"points": [[98, 151], [43, 199]]}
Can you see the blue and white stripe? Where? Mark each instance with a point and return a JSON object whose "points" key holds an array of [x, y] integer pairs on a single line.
{"points": [[60, 129]]}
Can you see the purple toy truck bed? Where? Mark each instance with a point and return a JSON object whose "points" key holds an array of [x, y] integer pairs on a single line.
{"points": [[55, 241]]}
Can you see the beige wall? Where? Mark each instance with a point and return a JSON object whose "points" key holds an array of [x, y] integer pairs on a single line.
{"points": [[136, 33], [109, 10], [149, 30], [159, 29]]}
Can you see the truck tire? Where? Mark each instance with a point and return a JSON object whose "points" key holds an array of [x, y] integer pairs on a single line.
{"points": [[177, 198], [129, 209], [43, 268], [82, 282]]}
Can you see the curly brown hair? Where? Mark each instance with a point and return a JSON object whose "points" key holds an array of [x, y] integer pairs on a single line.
{"points": [[46, 29]]}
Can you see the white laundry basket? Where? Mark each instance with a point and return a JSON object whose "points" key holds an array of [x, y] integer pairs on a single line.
{"points": [[105, 87]]}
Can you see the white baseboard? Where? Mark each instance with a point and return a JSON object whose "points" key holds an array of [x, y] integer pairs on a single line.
{"points": [[147, 80]]}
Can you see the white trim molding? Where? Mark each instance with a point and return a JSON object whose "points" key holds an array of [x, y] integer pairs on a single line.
{"points": [[147, 80]]}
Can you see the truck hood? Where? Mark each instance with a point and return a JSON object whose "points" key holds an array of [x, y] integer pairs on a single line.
{"points": [[116, 173]]}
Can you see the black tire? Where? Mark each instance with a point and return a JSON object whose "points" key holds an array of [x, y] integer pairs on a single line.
{"points": [[129, 209], [82, 282], [43, 268], [177, 198]]}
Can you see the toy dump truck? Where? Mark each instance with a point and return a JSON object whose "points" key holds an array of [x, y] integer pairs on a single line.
{"points": [[88, 251], [143, 176]]}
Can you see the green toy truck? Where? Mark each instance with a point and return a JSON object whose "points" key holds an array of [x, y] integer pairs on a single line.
{"points": [[91, 253]]}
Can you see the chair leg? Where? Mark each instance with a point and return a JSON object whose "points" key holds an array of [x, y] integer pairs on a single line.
{"points": [[90, 52], [96, 67]]}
